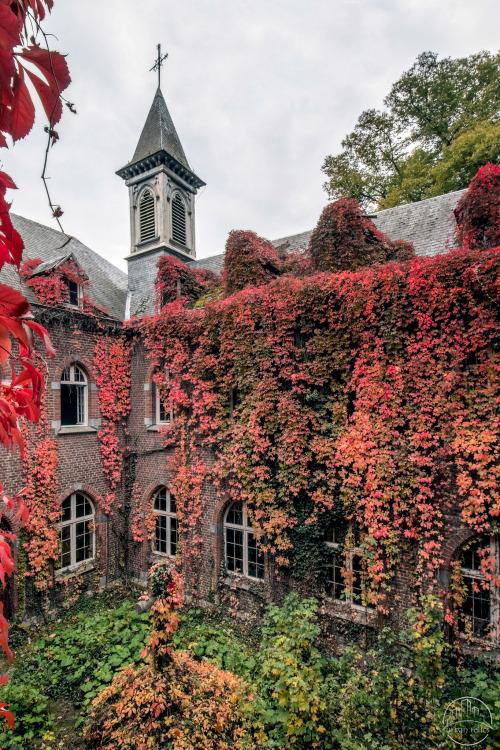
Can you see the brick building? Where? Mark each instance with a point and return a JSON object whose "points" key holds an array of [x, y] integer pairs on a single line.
{"points": [[97, 544]]}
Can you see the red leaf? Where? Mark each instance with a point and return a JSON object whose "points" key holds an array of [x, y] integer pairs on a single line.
{"points": [[49, 96], [10, 27], [6, 182], [12, 302], [22, 111], [8, 715], [7, 69], [52, 65]]}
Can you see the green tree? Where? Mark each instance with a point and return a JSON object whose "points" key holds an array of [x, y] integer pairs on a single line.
{"points": [[439, 126]]}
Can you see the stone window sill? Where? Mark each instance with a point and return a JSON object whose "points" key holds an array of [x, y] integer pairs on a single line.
{"points": [[158, 427], [68, 573], [77, 429], [351, 612], [243, 582]]}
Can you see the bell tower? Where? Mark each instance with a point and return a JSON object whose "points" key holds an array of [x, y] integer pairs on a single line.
{"points": [[162, 189]]}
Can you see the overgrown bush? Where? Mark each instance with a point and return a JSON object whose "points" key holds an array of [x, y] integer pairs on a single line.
{"points": [[34, 721], [80, 658], [291, 704], [345, 240], [478, 211], [249, 261]]}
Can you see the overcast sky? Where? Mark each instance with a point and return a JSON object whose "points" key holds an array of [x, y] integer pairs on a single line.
{"points": [[260, 92]]}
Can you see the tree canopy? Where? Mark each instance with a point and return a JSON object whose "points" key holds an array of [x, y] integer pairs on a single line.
{"points": [[439, 126]]}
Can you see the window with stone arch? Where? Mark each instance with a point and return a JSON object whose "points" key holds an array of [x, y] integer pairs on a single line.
{"points": [[347, 565], [479, 611], [147, 226], [241, 553], [166, 537], [74, 396], [178, 220], [77, 539]]}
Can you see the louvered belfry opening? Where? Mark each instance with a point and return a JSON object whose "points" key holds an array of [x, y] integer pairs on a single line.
{"points": [[147, 216], [178, 220]]}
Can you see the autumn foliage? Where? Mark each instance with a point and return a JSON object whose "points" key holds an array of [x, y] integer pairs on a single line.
{"points": [[172, 700], [177, 281], [352, 388], [112, 374], [478, 211], [344, 239], [249, 261]]}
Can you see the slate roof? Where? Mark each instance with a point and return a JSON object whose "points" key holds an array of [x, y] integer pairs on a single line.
{"points": [[107, 284], [159, 134], [428, 224]]}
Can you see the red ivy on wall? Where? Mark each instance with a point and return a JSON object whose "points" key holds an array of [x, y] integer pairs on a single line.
{"points": [[112, 375], [478, 211], [176, 281], [41, 542], [249, 261], [354, 386], [345, 239]]}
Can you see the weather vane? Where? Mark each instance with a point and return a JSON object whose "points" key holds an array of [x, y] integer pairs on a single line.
{"points": [[159, 62]]}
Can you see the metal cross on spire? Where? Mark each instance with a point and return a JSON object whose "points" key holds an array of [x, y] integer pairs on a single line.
{"points": [[159, 62]]}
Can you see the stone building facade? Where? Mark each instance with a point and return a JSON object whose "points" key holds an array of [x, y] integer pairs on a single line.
{"points": [[98, 546]]}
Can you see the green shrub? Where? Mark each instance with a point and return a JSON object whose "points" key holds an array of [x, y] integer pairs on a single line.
{"points": [[80, 658], [34, 723], [291, 703]]}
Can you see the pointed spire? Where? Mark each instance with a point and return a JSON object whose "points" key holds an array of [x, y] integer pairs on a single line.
{"points": [[159, 134]]}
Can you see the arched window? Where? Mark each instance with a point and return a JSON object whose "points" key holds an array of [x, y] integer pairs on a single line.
{"points": [[347, 564], [147, 216], [479, 613], [76, 531], [178, 220], [242, 555], [74, 396], [166, 536]]}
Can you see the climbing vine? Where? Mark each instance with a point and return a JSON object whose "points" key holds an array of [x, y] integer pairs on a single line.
{"points": [[112, 375], [375, 389], [41, 536], [51, 287]]}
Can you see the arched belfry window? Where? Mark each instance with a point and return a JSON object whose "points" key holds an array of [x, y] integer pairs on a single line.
{"points": [[147, 216], [178, 220]]}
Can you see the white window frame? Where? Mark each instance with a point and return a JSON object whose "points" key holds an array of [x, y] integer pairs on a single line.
{"points": [[81, 383], [72, 523], [494, 590], [158, 407], [169, 515], [247, 530], [348, 559], [79, 291]]}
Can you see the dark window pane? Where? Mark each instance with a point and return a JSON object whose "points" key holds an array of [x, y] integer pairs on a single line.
{"points": [[173, 506], [161, 501], [65, 558], [83, 507], [73, 292], [69, 404], [161, 535], [66, 510], [255, 559], [331, 535], [234, 550], [173, 537], [235, 514]]}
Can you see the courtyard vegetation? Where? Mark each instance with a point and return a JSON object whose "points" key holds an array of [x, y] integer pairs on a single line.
{"points": [[278, 684]]}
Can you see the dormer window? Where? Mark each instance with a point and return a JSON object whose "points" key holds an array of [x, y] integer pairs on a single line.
{"points": [[178, 220], [74, 292], [147, 216]]}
